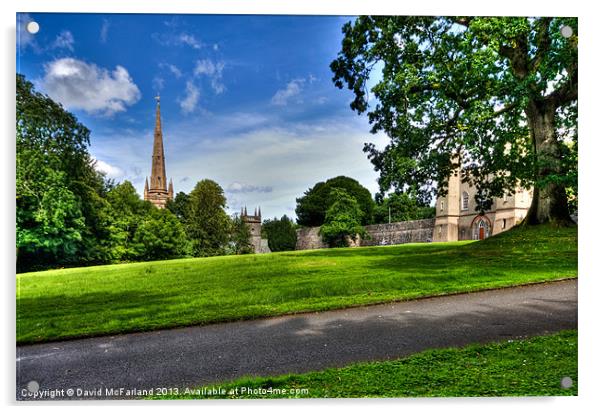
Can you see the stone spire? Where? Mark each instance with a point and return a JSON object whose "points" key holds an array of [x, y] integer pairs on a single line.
{"points": [[158, 192], [158, 180], [146, 188]]}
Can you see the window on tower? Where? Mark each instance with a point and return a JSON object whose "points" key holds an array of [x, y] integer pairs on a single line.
{"points": [[464, 200]]}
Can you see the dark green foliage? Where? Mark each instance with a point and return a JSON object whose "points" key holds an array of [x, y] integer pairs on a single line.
{"points": [[312, 206], [62, 217], [402, 207], [240, 239], [127, 211], [343, 219], [179, 205], [520, 367], [281, 234], [207, 225], [160, 235], [502, 91]]}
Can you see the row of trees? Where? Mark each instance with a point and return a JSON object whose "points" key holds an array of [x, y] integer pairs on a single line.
{"points": [[70, 214], [341, 206], [313, 206]]}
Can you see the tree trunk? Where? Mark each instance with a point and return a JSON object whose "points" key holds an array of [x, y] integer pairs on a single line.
{"points": [[549, 198]]}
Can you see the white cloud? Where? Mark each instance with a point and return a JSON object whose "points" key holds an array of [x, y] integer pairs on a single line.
{"points": [[80, 85], [158, 83], [64, 41], [172, 68], [214, 71], [238, 187], [104, 30], [108, 169], [190, 40], [259, 150], [175, 70], [292, 89], [172, 39], [188, 104]]}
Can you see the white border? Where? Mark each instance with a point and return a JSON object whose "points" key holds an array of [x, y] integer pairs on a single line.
{"points": [[590, 148]]}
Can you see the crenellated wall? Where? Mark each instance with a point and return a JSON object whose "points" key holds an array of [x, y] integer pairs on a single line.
{"points": [[417, 231]]}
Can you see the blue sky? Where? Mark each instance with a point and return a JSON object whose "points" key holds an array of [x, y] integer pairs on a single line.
{"points": [[247, 101]]}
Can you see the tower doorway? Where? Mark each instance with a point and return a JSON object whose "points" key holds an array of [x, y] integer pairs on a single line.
{"points": [[481, 228]]}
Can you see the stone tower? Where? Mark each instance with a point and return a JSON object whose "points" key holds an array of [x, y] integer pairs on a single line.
{"points": [[158, 192], [254, 222]]}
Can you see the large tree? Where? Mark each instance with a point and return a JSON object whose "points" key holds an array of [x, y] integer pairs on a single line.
{"points": [[343, 220], [160, 235], [496, 95], [280, 233], [127, 212], [312, 206], [62, 214], [207, 224]]}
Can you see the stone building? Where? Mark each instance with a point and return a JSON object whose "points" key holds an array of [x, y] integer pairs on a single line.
{"points": [[457, 218], [254, 222], [158, 192]]}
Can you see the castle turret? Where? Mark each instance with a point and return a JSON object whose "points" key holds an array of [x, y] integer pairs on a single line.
{"points": [[254, 222]]}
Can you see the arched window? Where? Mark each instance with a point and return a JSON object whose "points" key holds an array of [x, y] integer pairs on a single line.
{"points": [[441, 205], [464, 200]]}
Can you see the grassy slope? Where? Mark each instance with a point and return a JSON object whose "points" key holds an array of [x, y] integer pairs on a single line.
{"points": [[514, 368], [100, 300]]}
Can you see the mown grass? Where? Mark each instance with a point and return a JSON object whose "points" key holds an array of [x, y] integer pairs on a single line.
{"points": [[68, 303], [527, 367]]}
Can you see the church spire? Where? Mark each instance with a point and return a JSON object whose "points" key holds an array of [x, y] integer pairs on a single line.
{"points": [[158, 191], [158, 180]]}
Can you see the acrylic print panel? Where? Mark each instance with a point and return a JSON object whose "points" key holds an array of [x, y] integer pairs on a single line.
{"points": [[258, 206]]}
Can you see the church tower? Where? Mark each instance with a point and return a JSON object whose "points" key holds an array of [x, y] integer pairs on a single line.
{"points": [[157, 192]]}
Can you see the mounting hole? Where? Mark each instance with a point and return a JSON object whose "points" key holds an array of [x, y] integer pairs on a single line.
{"points": [[566, 383], [33, 27], [566, 31], [33, 386]]}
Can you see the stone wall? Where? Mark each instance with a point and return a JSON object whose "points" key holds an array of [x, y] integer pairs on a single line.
{"points": [[417, 231]]}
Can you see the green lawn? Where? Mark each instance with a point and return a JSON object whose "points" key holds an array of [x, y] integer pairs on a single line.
{"points": [[100, 300], [525, 367]]}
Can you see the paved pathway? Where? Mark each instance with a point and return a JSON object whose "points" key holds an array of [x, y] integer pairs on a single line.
{"points": [[298, 343]]}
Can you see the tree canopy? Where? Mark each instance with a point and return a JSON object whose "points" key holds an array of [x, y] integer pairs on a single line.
{"points": [[401, 207], [207, 224], [240, 237], [343, 219], [494, 95], [281, 233], [312, 206], [62, 216]]}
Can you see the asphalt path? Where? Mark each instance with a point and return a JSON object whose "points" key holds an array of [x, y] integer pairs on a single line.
{"points": [[114, 366]]}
